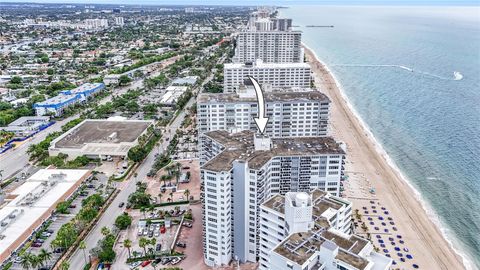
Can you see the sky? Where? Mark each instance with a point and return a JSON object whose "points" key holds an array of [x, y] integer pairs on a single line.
{"points": [[260, 2]]}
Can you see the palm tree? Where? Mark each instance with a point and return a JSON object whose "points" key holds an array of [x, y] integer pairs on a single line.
{"points": [[176, 174], [153, 241], [105, 231], [143, 210], [26, 260], [159, 197], [164, 178], [83, 246], [44, 256], [143, 242], [187, 194], [127, 243], [1, 175], [171, 196], [64, 265]]}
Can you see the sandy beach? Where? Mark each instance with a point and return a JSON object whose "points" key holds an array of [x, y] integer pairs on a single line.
{"points": [[395, 220]]}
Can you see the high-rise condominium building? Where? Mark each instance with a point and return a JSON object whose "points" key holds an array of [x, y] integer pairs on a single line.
{"points": [[274, 74], [269, 46], [312, 231], [291, 114], [239, 171]]}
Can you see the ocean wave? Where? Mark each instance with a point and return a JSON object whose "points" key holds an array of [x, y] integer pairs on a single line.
{"points": [[457, 76], [446, 233]]}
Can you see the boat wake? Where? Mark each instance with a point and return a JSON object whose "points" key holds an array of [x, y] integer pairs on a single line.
{"points": [[457, 76]]}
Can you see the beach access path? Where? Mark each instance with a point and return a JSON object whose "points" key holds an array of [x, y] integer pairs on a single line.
{"points": [[425, 241]]}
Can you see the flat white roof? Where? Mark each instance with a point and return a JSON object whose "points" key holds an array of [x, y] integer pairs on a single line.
{"points": [[260, 64], [32, 200]]}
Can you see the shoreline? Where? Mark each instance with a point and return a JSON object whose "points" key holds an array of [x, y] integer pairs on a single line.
{"points": [[431, 234]]}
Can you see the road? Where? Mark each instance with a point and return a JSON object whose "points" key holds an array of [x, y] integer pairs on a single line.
{"points": [[126, 188]]}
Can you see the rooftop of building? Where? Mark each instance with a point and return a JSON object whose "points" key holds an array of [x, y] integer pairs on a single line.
{"points": [[279, 95], [102, 131], [27, 120], [240, 146], [32, 200]]}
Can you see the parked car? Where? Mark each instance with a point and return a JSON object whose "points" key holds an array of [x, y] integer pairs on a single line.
{"points": [[121, 204], [186, 168], [158, 247], [72, 206], [187, 224], [37, 244], [165, 261], [145, 263], [181, 244], [58, 250], [39, 240], [175, 261]]}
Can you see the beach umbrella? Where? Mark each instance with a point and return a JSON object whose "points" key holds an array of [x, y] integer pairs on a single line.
{"points": [[389, 218], [385, 230], [380, 241], [384, 224], [386, 212], [374, 211], [376, 228], [373, 207], [405, 249], [372, 223], [402, 259], [385, 250], [388, 255], [415, 266], [394, 262], [397, 248], [400, 254], [399, 236], [391, 239], [392, 243], [383, 208], [378, 236], [369, 218], [380, 218], [401, 241], [382, 245], [394, 228], [409, 256], [392, 223]]}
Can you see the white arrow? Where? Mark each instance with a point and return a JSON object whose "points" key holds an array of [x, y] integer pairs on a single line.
{"points": [[261, 120]]}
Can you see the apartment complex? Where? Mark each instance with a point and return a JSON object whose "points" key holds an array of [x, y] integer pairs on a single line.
{"points": [[239, 171], [311, 231], [269, 46], [291, 114], [57, 104], [273, 74]]}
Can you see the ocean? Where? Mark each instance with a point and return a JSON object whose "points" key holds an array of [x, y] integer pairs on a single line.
{"points": [[413, 76]]}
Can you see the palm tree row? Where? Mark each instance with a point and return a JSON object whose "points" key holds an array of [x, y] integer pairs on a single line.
{"points": [[30, 260]]}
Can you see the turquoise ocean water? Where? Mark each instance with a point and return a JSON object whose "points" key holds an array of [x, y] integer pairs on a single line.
{"points": [[396, 66]]}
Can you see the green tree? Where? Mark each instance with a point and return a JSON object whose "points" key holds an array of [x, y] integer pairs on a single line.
{"points": [[66, 236], [83, 246], [64, 265], [123, 221], [124, 79], [44, 256], [143, 242], [16, 80], [127, 243]]}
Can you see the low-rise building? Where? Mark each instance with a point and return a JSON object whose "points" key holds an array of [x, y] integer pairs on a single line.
{"points": [[56, 105], [31, 203], [98, 138], [27, 125]]}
